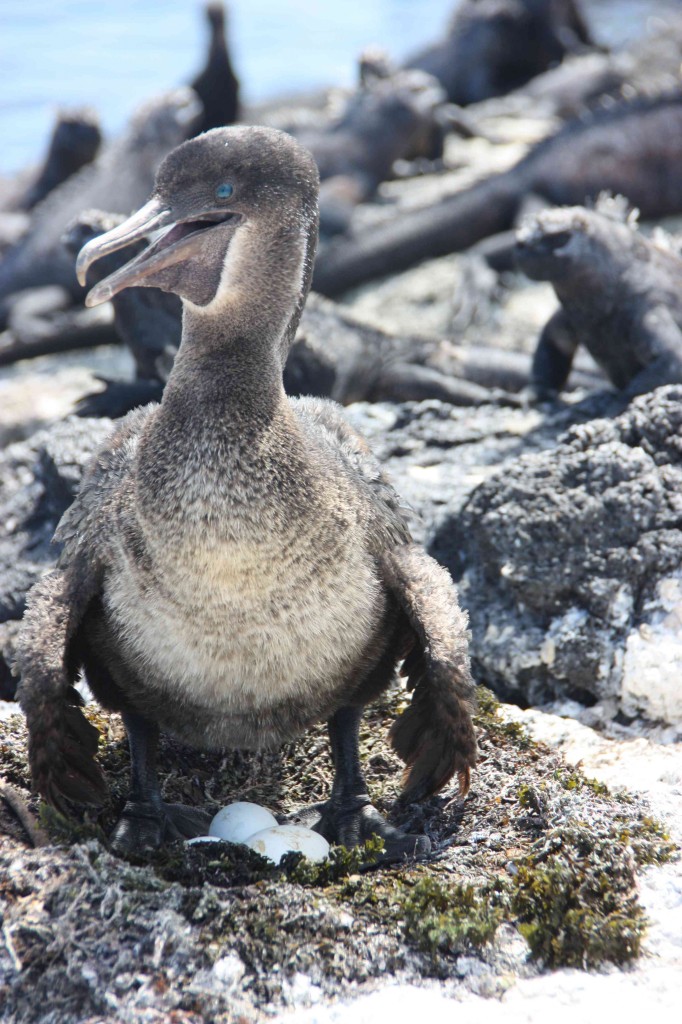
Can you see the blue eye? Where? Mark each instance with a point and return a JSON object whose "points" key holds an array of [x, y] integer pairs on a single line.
{"points": [[224, 191]]}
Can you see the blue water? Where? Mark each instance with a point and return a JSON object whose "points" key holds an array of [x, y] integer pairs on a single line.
{"points": [[112, 54]]}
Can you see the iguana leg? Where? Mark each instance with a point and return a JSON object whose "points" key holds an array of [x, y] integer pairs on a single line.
{"points": [[659, 343], [553, 357]]}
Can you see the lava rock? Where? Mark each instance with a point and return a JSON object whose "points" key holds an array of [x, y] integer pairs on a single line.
{"points": [[570, 565], [437, 454]]}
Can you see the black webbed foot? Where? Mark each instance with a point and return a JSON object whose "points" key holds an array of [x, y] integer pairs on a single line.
{"points": [[145, 826], [147, 822], [352, 822], [348, 817]]}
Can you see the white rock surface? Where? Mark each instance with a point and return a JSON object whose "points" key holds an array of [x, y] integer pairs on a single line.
{"points": [[652, 667], [36, 392]]}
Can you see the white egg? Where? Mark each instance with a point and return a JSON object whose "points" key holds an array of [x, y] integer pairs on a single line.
{"points": [[274, 843], [238, 821], [204, 839]]}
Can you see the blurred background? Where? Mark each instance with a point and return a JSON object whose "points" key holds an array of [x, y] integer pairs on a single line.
{"points": [[113, 55]]}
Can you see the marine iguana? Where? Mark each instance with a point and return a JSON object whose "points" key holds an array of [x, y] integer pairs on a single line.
{"points": [[236, 566], [633, 148], [494, 46], [119, 179], [620, 294], [647, 66], [388, 117]]}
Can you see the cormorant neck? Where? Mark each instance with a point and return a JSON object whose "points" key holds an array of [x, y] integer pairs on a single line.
{"points": [[225, 371], [233, 350], [265, 279]]}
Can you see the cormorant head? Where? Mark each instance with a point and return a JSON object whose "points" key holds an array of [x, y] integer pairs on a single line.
{"points": [[215, 13], [76, 137], [227, 193]]}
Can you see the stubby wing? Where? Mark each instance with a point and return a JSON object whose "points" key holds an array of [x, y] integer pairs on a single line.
{"points": [[434, 735], [62, 743], [82, 530]]}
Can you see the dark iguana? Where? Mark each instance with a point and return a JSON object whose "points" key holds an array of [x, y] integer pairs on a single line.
{"points": [[390, 116], [620, 294], [493, 46], [119, 179], [634, 149]]}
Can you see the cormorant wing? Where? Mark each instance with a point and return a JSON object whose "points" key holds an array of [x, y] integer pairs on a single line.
{"points": [[388, 524], [434, 735], [62, 742], [80, 529]]}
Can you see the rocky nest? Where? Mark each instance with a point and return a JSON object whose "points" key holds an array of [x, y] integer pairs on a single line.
{"points": [[535, 869]]}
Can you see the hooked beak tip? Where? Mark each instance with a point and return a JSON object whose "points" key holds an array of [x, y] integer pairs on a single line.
{"points": [[93, 298], [84, 261], [81, 270], [152, 216]]}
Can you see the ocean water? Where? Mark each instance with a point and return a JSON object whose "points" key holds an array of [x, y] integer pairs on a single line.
{"points": [[112, 54]]}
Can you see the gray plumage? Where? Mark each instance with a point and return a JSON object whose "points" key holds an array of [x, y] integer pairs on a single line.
{"points": [[236, 566]]}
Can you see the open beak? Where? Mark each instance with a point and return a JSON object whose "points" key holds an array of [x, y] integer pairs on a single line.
{"points": [[174, 246], [151, 217]]}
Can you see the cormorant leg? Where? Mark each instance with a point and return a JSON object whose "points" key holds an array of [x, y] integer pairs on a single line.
{"points": [[348, 817], [147, 822]]}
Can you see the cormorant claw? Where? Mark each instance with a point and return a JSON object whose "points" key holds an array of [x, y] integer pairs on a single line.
{"points": [[356, 820], [145, 826]]}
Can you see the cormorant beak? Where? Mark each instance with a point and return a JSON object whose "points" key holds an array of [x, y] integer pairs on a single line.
{"points": [[183, 240], [152, 217]]}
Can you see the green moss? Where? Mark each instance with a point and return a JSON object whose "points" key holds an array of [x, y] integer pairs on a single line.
{"points": [[648, 838], [228, 865], [572, 779], [340, 864], [575, 901], [488, 717], [450, 918], [65, 831], [532, 798]]}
